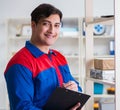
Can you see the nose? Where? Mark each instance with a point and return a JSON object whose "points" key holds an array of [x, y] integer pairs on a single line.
{"points": [[51, 28]]}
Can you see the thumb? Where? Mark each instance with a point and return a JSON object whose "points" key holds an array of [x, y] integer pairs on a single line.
{"points": [[75, 107]]}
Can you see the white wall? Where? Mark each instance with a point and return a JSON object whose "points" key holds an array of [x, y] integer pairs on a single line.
{"points": [[23, 8], [103, 7]]}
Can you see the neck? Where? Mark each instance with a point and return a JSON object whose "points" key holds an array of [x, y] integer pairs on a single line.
{"points": [[42, 48]]}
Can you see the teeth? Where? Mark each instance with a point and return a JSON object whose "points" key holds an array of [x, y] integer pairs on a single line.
{"points": [[49, 36]]}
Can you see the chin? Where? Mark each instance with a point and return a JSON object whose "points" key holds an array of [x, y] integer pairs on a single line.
{"points": [[50, 43]]}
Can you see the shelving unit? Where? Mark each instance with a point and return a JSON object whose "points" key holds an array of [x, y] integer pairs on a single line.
{"points": [[15, 38], [96, 47], [101, 81], [97, 53]]}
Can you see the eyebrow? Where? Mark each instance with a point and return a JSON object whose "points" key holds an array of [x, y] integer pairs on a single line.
{"points": [[50, 22]]}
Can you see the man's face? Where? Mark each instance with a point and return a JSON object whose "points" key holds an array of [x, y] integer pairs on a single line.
{"points": [[47, 30]]}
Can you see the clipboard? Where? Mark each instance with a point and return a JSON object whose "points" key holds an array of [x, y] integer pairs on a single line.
{"points": [[64, 99]]}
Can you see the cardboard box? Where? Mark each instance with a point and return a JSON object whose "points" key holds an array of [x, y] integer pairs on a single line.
{"points": [[104, 63]]}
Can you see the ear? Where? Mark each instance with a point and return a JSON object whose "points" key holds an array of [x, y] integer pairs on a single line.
{"points": [[33, 24]]}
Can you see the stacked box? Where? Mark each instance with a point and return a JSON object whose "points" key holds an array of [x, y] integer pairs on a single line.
{"points": [[103, 74], [104, 63]]}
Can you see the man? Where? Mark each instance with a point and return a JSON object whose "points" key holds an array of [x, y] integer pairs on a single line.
{"points": [[36, 70]]}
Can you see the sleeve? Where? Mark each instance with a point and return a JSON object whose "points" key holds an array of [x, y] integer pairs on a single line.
{"points": [[79, 87], [20, 88], [67, 76]]}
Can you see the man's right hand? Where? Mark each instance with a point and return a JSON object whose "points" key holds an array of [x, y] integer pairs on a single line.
{"points": [[75, 107]]}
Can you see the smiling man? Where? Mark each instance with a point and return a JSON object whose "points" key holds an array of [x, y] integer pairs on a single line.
{"points": [[35, 71]]}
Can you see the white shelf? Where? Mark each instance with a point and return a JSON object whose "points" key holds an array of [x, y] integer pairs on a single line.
{"points": [[102, 81], [104, 96], [101, 37], [104, 37], [108, 20], [19, 37], [104, 56], [72, 56], [72, 37]]}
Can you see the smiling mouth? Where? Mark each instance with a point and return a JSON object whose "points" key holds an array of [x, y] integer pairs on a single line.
{"points": [[49, 36]]}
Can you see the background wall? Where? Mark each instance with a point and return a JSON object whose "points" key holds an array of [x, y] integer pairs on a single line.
{"points": [[23, 8]]}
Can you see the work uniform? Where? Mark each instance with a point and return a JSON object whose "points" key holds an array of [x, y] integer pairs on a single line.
{"points": [[32, 75]]}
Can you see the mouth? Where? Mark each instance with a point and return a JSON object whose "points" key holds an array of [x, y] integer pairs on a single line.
{"points": [[49, 35]]}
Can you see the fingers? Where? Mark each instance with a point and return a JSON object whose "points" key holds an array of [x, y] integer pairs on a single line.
{"points": [[71, 85], [75, 107]]}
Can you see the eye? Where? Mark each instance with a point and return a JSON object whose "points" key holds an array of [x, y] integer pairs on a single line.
{"points": [[46, 24], [57, 25]]}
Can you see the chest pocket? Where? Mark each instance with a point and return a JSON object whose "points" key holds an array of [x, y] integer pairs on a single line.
{"points": [[45, 83]]}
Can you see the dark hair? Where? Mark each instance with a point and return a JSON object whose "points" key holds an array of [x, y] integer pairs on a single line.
{"points": [[44, 11]]}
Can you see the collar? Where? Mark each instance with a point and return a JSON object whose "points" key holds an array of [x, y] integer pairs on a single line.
{"points": [[35, 51]]}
